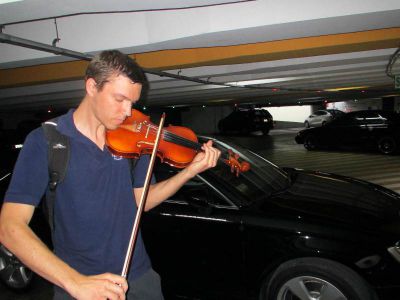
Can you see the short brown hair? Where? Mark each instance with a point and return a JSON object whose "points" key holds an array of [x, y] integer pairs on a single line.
{"points": [[113, 62]]}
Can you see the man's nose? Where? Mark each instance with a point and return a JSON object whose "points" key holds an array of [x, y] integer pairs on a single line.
{"points": [[127, 108]]}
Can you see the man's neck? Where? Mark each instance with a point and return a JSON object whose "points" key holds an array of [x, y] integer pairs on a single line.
{"points": [[87, 123]]}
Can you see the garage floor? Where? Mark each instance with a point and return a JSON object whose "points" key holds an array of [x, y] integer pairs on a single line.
{"points": [[280, 148]]}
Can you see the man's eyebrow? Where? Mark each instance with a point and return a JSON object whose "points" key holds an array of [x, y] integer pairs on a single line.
{"points": [[117, 94]]}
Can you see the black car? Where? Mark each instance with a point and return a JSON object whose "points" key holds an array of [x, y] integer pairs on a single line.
{"points": [[275, 233], [246, 121], [367, 129]]}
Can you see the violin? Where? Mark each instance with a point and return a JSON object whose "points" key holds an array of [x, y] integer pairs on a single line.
{"points": [[177, 146]]}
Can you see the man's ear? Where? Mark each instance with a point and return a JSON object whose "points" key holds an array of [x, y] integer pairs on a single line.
{"points": [[91, 87]]}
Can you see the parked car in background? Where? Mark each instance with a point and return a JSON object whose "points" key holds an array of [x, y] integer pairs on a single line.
{"points": [[368, 129], [321, 117], [243, 120]]}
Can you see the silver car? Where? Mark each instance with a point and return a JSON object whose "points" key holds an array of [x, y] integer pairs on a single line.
{"points": [[321, 117]]}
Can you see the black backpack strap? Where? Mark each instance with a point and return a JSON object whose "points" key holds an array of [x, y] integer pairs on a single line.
{"points": [[132, 163], [58, 157]]}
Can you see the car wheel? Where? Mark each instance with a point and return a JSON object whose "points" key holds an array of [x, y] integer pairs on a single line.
{"points": [[265, 131], [12, 272], [310, 142], [387, 145], [306, 124], [323, 123], [315, 278]]}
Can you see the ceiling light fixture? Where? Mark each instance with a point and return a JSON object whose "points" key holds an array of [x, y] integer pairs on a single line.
{"points": [[8, 1], [262, 81]]}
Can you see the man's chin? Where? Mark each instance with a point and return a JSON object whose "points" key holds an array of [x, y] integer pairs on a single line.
{"points": [[112, 126]]}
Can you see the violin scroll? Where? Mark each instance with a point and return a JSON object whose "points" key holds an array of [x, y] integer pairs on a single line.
{"points": [[236, 166]]}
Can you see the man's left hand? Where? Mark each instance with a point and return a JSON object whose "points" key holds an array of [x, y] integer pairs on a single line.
{"points": [[204, 160]]}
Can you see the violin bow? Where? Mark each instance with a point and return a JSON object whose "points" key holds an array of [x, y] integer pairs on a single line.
{"points": [[142, 202]]}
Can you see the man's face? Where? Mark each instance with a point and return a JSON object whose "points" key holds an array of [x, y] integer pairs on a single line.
{"points": [[113, 103]]}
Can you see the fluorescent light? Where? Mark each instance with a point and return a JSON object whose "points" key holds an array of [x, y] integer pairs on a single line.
{"points": [[262, 81], [9, 1]]}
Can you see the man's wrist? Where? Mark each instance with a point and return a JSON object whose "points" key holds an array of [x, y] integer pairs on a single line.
{"points": [[187, 174], [71, 282]]}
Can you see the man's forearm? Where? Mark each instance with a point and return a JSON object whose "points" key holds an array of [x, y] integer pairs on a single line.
{"points": [[23, 242], [164, 189]]}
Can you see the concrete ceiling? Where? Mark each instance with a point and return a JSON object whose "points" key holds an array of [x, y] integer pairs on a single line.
{"points": [[304, 51]]}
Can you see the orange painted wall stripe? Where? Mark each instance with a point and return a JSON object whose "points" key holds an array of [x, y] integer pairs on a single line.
{"points": [[247, 53], [283, 49]]}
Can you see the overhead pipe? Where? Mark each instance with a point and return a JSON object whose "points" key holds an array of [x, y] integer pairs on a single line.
{"points": [[13, 40], [9, 39], [17, 41]]}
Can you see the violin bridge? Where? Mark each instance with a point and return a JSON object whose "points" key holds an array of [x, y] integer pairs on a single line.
{"points": [[137, 127]]}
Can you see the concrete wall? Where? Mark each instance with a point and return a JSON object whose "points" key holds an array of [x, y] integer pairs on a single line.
{"points": [[290, 113], [204, 120], [355, 105]]}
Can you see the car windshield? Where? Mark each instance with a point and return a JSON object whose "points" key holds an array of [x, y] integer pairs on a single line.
{"points": [[261, 112], [262, 180]]}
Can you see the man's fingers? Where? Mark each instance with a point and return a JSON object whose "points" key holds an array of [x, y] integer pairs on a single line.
{"points": [[114, 291], [116, 280], [212, 154]]}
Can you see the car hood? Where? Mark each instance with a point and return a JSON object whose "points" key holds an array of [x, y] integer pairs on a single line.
{"points": [[334, 198]]}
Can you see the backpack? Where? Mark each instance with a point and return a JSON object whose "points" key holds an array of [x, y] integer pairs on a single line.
{"points": [[58, 158]]}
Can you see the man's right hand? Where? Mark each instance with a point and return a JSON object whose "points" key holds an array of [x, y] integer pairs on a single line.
{"points": [[96, 287]]}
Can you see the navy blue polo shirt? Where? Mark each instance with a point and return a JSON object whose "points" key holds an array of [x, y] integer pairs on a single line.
{"points": [[95, 207]]}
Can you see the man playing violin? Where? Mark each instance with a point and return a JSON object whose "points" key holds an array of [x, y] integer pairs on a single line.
{"points": [[94, 209]]}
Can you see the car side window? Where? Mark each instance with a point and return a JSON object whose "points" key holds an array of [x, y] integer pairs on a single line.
{"points": [[236, 116], [374, 119], [368, 118], [195, 192], [347, 120], [318, 113]]}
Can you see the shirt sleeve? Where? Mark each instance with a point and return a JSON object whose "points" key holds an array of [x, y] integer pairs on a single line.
{"points": [[30, 176], [140, 171]]}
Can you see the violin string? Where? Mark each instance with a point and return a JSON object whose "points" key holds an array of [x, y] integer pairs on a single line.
{"points": [[190, 144], [181, 141], [171, 137]]}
